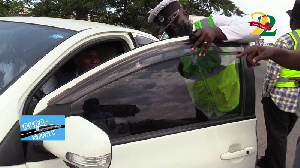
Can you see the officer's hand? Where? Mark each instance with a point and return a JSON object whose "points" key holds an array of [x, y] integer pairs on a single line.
{"points": [[204, 37], [255, 54]]}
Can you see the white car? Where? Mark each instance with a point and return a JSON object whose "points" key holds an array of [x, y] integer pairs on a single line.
{"points": [[155, 124]]}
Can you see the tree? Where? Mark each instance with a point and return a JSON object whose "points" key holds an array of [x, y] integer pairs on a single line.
{"points": [[4, 8], [207, 7], [128, 13], [75, 9], [134, 13], [12, 8]]}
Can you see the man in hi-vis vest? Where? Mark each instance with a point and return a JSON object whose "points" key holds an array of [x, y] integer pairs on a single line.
{"points": [[280, 97], [214, 89]]}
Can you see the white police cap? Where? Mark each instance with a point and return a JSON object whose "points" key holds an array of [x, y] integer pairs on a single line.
{"points": [[164, 13]]}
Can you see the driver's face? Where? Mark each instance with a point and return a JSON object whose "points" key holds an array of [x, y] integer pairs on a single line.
{"points": [[87, 60]]}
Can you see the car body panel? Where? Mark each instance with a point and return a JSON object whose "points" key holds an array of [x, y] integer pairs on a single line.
{"points": [[48, 164], [186, 149], [190, 149]]}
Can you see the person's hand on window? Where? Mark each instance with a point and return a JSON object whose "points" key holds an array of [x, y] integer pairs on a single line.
{"points": [[204, 37]]}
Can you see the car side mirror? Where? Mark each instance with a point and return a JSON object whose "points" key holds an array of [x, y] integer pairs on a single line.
{"points": [[85, 144]]}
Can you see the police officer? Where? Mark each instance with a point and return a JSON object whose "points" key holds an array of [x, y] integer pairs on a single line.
{"points": [[207, 91], [174, 20]]}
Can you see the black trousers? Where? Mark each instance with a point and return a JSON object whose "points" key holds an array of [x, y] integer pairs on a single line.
{"points": [[278, 124]]}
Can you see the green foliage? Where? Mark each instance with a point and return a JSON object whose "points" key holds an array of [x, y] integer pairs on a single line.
{"points": [[12, 8], [132, 13], [4, 8], [75, 9], [127, 13], [207, 7]]}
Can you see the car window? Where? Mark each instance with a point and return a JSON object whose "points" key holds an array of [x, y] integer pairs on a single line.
{"points": [[151, 99], [153, 91], [22, 45], [142, 40], [155, 98], [165, 89], [67, 70]]}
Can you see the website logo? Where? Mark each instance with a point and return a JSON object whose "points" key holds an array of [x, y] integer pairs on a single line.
{"points": [[42, 127], [263, 26]]}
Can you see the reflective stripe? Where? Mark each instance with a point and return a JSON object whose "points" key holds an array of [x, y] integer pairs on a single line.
{"points": [[283, 81], [295, 36], [198, 24], [295, 41], [207, 22], [211, 22], [285, 84]]}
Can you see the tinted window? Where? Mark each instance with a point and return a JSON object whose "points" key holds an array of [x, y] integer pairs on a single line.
{"points": [[22, 45], [165, 94], [141, 40], [151, 99]]}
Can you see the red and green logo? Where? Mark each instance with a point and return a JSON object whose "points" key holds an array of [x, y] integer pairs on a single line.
{"points": [[263, 26]]}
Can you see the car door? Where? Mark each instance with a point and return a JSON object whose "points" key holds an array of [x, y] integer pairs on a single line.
{"points": [[119, 41], [154, 120], [38, 51]]}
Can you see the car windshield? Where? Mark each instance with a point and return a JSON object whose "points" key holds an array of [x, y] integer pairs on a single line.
{"points": [[22, 45]]}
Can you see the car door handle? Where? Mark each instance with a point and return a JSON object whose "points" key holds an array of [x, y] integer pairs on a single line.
{"points": [[242, 153]]}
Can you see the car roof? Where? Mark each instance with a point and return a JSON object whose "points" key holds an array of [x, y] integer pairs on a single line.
{"points": [[70, 24]]}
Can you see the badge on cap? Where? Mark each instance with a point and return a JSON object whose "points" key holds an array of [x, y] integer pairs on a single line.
{"points": [[161, 18], [173, 16]]}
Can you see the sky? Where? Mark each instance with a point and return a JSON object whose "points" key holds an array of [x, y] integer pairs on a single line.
{"points": [[275, 8]]}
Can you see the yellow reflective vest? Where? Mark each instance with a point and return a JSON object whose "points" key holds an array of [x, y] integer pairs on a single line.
{"points": [[285, 74], [214, 89]]}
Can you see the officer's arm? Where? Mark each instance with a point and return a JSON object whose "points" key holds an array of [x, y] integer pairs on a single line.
{"points": [[227, 29], [236, 30], [290, 60]]}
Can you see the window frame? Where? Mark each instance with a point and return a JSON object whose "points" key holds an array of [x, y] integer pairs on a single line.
{"points": [[65, 60], [92, 81]]}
